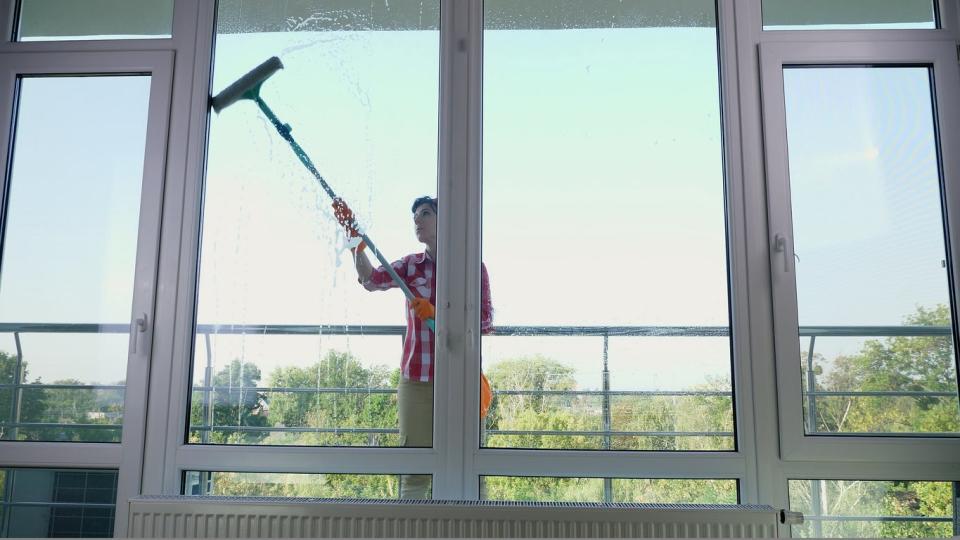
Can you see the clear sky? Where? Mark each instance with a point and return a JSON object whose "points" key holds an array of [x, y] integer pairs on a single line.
{"points": [[603, 199], [71, 231], [593, 195]]}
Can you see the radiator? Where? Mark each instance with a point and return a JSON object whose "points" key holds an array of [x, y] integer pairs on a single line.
{"points": [[243, 517]]}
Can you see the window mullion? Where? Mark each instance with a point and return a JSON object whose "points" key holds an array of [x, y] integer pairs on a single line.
{"points": [[760, 395], [473, 142], [950, 18], [748, 444], [451, 345], [193, 29]]}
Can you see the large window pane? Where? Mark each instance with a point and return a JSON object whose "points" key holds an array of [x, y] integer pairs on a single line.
{"points": [[848, 14], [330, 486], [51, 503], [69, 256], [289, 348], [621, 490], [872, 509], [54, 20], [872, 286], [604, 241]]}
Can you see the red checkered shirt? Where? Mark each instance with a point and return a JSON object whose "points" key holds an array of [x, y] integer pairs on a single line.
{"points": [[419, 272]]}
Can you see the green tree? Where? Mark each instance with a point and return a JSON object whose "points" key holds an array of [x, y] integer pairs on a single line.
{"points": [[59, 407], [930, 499], [539, 488], [233, 402], [670, 491], [539, 410], [564, 413], [32, 402], [902, 363], [873, 498], [680, 414], [86, 406], [324, 395], [367, 486]]}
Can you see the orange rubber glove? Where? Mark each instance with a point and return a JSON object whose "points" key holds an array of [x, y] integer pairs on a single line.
{"points": [[423, 308]]}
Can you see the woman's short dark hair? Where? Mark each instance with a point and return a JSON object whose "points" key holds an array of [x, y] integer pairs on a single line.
{"points": [[420, 201]]}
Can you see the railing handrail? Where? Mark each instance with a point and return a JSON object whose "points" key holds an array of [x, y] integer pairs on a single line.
{"points": [[508, 330], [380, 390], [905, 519]]}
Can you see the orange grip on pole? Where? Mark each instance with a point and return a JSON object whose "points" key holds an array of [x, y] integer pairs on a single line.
{"points": [[345, 216]]}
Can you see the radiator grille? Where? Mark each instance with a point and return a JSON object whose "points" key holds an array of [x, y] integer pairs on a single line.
{"points": [[242, 517]]}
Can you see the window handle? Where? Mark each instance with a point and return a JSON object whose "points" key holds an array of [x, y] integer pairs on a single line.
{"points": [[780, 246], [140, 327]]}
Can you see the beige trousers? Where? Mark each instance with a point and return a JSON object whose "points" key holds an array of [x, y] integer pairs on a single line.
{"points": [[415, 406]]}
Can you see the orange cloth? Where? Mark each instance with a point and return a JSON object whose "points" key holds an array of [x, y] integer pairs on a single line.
{"points": [[486, 396], [423, 308]]}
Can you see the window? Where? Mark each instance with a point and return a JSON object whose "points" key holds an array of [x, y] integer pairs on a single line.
{"points": [[707, 285], [329, 486], [868, 133], [69, 253], [621, 490], [858, 183], [859, 236], [44, 503], [55, 20], [864, 509], [611, 331], [849, 14], [290, 349]]}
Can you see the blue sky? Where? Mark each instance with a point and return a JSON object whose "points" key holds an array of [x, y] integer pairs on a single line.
{"points": [[571, 178], [71, 231], [603, 195]]}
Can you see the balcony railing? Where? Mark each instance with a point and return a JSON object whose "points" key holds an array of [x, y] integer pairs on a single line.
{"points": [[207, 389], [811, 394]]}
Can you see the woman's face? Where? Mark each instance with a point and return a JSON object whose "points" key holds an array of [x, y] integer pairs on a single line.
{"points": [[425, 224]]}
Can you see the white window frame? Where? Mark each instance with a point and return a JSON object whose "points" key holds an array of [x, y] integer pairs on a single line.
{"points": [[772, 466], [457, 462], [942, 56], [166, 153], [720, 465], [127, 455], [765, 457], [167, 427]]}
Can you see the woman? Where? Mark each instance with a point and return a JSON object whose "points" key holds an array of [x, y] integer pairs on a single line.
{"points": [[418, 271]]}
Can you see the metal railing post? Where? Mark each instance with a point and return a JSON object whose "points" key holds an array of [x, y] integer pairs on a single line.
{"points": [[817, 505], [606, 393], [16, 397], [607, 423], [811, 389], [207, 392]]}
